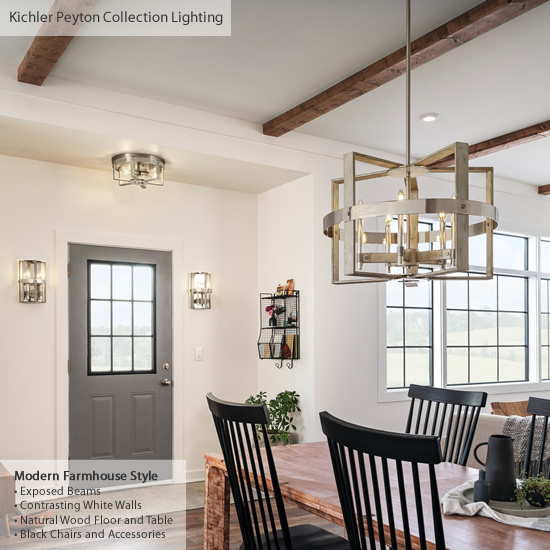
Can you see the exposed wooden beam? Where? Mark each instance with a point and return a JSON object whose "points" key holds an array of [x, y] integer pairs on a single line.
{"points": [[40, 59], [46, 50], [471, 24], [496, 144]]}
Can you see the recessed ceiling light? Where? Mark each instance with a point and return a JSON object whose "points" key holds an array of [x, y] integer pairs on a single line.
{"points": [[429, 117]]}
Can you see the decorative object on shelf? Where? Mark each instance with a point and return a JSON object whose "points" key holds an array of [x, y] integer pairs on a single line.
{"points": [[499, 466], [32, 282], [289, 287], [280, 328], [281, 410], [398, 249], [140, 169], [482, 488], [533, 490], [200, 290]]}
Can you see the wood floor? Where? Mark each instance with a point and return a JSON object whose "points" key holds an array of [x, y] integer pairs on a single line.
{"points": [[187, 527]]}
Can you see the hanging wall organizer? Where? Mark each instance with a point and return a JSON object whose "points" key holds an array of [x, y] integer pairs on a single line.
{"points": [[280, 328]]}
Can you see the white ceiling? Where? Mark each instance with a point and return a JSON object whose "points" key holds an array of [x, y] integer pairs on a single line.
{"points": [[89, 150], [280, 53]]}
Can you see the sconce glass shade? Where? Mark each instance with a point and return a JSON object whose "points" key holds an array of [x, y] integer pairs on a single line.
{"points": [[200, 290], [138, 169], [32, 281]]}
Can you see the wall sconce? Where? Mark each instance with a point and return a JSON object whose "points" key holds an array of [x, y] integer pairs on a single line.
{"points": [[32, 281], [200, 290]]}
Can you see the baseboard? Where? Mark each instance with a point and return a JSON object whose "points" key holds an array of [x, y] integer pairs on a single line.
{"points": [[194, 475]]}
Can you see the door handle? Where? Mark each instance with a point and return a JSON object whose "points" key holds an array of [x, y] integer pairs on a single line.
{"points": [[166, 382]]}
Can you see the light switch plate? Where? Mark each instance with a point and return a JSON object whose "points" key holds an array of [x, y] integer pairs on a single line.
{"points": [[199, 353]]}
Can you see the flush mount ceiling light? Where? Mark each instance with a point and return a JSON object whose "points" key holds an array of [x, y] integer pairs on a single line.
{"points": [[396, 248], [429, 117], [138, 169]]}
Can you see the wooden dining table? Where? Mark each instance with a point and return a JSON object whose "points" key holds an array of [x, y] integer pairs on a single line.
{"points": [[307, 481]]}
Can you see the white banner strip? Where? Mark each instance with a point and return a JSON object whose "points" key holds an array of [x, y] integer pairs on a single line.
{"points": [[115, 18]]}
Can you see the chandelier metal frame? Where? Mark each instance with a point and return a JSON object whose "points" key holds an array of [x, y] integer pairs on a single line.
{"points": [[451, 259]]}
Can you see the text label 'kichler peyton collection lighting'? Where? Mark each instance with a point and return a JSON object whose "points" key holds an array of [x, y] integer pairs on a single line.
{"points": [[32, 281], [200, 290], [405, 252], [138, 169]]}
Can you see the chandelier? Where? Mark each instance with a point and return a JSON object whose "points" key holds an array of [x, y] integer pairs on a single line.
{"points": [[138, 169], [382, 241]]}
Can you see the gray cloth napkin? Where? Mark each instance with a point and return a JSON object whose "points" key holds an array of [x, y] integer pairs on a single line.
{"points": [[454, 502]]}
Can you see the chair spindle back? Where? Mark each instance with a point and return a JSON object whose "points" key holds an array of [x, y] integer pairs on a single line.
{"points": [[364, 461], [451, 415], [237, 426], [536, 442]]}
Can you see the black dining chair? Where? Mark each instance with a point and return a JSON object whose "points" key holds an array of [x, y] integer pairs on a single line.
{"points": [[238, 426], [364, 461], [535, 464], [452, 415]]}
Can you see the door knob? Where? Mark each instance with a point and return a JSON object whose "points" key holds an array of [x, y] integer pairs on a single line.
{"points": [[166, 382]]}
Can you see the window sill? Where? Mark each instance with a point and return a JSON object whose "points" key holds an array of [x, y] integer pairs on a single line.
{"points": [[388, 396]]}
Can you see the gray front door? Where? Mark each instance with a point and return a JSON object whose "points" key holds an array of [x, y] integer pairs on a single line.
{"points": [[120, 349]]}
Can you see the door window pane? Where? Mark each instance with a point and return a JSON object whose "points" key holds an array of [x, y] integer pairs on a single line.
{"points": [[122, 282], [122, 354], [122, 318], [100, 352], [100, 317], [143, 283], [143, 318], [100, 281], [143, 356]]}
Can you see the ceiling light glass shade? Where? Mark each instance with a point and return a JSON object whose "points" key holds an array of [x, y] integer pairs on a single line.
{"points": [[394, 246], [138, 169]]}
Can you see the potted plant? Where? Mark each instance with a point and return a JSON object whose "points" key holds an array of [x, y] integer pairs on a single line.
{"points": [[534, 490], [281, 410]]}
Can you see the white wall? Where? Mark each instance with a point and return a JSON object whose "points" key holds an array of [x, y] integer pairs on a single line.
{"points": [[216, 232], [285, 251]]}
